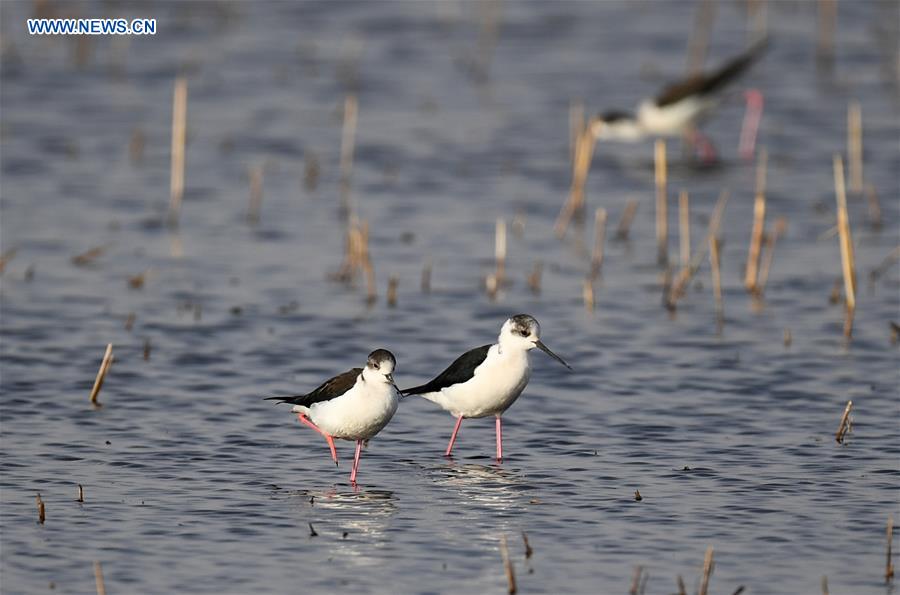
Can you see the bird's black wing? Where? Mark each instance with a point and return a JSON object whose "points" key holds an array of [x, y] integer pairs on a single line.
{"points": [[329, 389], [704, 84], [459, 371]]}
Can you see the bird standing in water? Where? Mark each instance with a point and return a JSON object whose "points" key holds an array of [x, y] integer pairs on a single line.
{"points": [[355, 405], [487, 380]]}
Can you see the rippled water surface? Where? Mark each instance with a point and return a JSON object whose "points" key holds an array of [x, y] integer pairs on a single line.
{"points": [[193, 484]]}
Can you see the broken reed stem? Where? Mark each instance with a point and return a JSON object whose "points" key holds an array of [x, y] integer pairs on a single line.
{"points": [[684, 227], [889, 568], [759, 223], [534, 278], [855, 146], [40, 508], [717, 279], [636, 580], [680, 582], [687, 272], [348, 142], [101, 374], [507, 566], [528, 550], [491, 286], [371, 290], [707, 571], [848, 266], [179, 133], [627, 217], [86, 258], [699, 42], [500, 250], [874, 207], [584, 152], [576, 125], [6, 257], [98, 578], [587, 293], [426, 277], [771, 239], [392, 292], [885, 265], [825, 38], [844, 426], [599, 241], [662, 216], [825, 585], [80, 493], [256, 194]]}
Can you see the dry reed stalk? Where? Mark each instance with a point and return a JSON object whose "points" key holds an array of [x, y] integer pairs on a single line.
{"points": [[637, 496], [129, 322], [844, 427], [684, 227], [855, 146], [680, 582], [42, 516], [101, 374], [311, 171], [6, 257], [707, 571], [679, 287], [80, 493], [426, 277], [491, 286], [771, 239], [366, 260], [627, 217], [528, 550], [889, 567], [827, 10], [507, 566], [662, 214], [392, 292], [895, 331], [599, 241], [885, 265], [717, 280], [759, 223], [636, 580], [848, 266], [348, 142], [587, 293], [86, 258], [788, 337], [146, 349], [500, 250], [136, 146], [576, 125], [98, 578], [825, 585], [256, 194], [137, 281], [582, 163], [699, 42], [534, 278], [874, 207], [179, 133]]}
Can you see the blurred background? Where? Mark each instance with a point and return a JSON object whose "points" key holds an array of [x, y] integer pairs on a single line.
{"points": [[336, 149]]}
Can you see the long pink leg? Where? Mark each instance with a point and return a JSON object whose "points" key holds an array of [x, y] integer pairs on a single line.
{"points": [[703, 145], [453, 437], [355, 468], [328, 438], [750, 126], [499, 439]]}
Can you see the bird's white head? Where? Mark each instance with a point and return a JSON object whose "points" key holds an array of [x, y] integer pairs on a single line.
{"points": [[522, 332], [617, 126], [380, 367]]}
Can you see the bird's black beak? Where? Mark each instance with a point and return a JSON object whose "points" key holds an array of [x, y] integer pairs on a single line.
{"points": [[540, 345], [390, 378]]}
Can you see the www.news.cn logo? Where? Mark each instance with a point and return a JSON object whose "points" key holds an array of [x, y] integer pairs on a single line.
{"points": [[92, 26]]}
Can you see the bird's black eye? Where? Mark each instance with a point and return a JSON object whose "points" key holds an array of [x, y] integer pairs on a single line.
{"points": [[522, 332], [376, 366]]}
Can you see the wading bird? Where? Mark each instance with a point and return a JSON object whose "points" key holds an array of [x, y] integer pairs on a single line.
{"points": [[355, 405], [487, 380]]}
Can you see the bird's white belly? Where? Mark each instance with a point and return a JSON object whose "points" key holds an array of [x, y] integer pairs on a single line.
{"points": [[673, 119], [357, 415], [495, 386]]}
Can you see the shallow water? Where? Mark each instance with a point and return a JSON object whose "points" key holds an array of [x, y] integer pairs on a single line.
{"points": [[194, 484]]}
